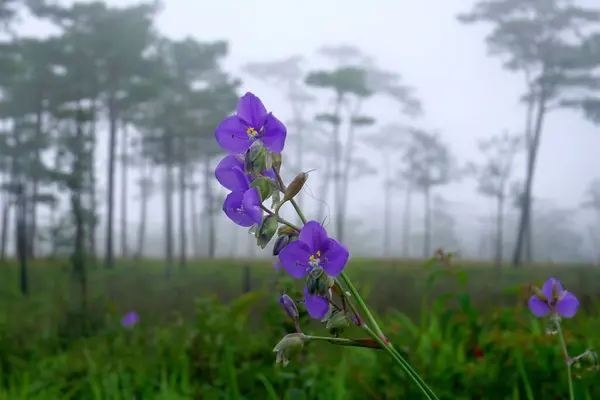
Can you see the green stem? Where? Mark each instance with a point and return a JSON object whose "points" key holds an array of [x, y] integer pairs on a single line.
{"points": [[567, 360], [341, 341], [373, 330], [404, 364], [363, 307]]}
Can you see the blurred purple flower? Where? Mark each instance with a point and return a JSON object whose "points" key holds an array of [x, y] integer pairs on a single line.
{"points": [[130, 319], [277, 264], [252, 122], [553, 299], [230, 173], [314, 249], [243, 208]]}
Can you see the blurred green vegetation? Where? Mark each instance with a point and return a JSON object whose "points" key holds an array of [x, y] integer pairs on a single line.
{"points": [[466, 330]]}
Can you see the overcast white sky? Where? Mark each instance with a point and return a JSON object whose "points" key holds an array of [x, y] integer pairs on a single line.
{"points": [[466, 95]]}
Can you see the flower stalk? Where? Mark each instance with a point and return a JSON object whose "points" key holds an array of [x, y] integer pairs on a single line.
{"points": [[567, 359]]}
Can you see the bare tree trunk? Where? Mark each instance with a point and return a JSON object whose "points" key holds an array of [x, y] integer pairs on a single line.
{"points": [[327, 178], [387, 211], [168, 219], [208, 207], [427, 220], [110, 193], [21, 238], [194, 220], [93, 227], [337, 173], [182, 216], [531, 162], [345, 173], [499, 231], [406, 231], [144, 198], [124, 184], [5, 224]]}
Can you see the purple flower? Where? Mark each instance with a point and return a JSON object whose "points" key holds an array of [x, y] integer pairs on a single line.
{"points": [[230, 174], [314, 249], [252, 122], [130, 319], [553, 298], [243, 208]]}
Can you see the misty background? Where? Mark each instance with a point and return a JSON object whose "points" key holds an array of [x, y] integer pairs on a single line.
{"points": [[433, 90]]}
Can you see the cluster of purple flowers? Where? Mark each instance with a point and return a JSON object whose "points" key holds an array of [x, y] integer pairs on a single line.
{"points": [[253, 138]]}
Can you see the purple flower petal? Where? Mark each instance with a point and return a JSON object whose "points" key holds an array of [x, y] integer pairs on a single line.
{"points": [[252, 110], [130, 319], [232, 135], [251, 202], [314, 235], [232, 206], [567, 306], [270, 174], [294, 259], [547, 288], [334, 258], [230, 173], [274, 134], [316, 305], [277, 265], [538, 307]]}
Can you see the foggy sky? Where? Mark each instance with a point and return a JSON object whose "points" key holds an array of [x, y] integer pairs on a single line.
{"points": [[466, 95]]}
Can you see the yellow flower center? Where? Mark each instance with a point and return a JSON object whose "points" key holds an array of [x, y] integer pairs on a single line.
{"points": [[315, 259], [251, 132]]}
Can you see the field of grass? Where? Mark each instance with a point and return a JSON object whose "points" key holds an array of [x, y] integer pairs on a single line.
{"points": [[208, 333]]}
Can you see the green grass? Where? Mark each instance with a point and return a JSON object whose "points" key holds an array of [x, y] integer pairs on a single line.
{"points": [[200, 338]]}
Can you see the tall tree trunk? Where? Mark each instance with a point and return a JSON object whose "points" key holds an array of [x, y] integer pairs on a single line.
{"points": [[7, 204], [531, 162], [427, 221], [345, 172], [406, 231], [208, 207], [124, 174], [92, 233], [144, 198], [21, 237], [499, 231], [110, 193], [182, 216], [387, 209], [327, 179], [168, 217], [194, 219], [76, 188], [300, 126], [337, 173]]}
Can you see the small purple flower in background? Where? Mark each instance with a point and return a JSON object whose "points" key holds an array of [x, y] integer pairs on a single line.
{"points": [[252, 122], [552, 298], [314, 250], [277, 265], [230, 174], [130, 319], [243, 208]]}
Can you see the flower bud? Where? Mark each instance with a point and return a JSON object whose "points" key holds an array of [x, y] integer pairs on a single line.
{"points": [[266, 231], [338, 321], [280, 243], [316, 282], [276, 160], [265, 186], [286, 230], [538, 293], [289, 306], [291, 344], [295, 186], [255, 160]]}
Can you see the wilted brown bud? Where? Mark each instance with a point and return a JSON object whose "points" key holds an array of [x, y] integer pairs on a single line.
{"points": [[295, 186], [286, 230]]}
